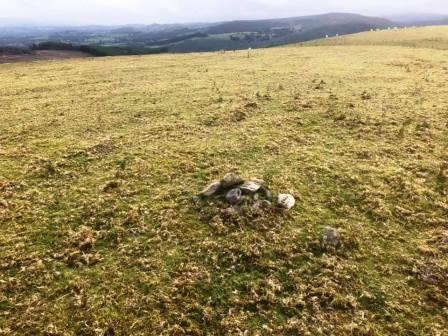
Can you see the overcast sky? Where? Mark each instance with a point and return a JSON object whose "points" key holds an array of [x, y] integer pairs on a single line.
{"points": [[76, 12]]}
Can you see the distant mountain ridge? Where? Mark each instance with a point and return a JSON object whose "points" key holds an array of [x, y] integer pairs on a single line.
{"points": [[418, 18], [273, 32], [202, 37], [308, 22]]}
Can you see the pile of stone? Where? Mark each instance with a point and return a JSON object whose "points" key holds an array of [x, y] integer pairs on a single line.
{"points": [[235, 191]]}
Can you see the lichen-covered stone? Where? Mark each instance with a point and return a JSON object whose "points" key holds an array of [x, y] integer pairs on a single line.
{"points": [[230, 180]]}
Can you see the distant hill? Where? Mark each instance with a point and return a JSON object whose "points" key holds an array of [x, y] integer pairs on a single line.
{"points": [[301, 23], [274, 32], [193, 37], [439, 22]]}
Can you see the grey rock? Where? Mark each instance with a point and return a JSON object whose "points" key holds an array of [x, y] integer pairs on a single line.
{"points": [[286, 201], [211, 189], [330, 238], [234, 196], [230, 180]]}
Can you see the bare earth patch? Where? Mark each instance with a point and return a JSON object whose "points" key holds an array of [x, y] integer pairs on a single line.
{"points": [[41, 55]]}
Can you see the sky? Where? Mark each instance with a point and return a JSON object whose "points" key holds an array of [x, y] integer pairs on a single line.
{"points": [[107, 12]]}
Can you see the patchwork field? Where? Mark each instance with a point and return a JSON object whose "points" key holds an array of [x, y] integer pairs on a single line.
{"points": [[100, 158]]}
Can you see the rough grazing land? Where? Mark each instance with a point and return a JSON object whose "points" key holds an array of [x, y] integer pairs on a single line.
{"points": [[429, 37], [99, 159]]}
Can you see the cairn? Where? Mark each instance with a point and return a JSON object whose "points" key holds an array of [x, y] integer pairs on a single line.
{"points": [[235, 191]]}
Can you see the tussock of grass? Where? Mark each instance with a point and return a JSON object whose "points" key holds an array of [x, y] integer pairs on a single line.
{"points": [[99, 159]]}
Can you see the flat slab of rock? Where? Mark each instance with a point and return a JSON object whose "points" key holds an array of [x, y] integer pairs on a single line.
{"points": [[211, 189], [251, 187]]}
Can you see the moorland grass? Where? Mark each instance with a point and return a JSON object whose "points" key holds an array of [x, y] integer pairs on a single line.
{"points": [[99, 159], [433, 37]]}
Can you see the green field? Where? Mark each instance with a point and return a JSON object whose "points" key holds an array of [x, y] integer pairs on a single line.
{"points": [[100, 157]]}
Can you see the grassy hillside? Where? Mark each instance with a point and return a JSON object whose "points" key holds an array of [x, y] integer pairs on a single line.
{"points": [[427, 37], [99, 160]]}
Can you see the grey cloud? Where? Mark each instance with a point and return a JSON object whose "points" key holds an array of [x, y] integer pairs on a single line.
{"points": [[166, 11]]}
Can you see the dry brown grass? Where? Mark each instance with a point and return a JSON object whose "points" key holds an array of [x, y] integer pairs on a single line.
{"points": [[435, 37]]}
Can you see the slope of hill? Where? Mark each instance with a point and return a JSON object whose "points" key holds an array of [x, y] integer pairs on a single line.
{"points": [[424, 37], [99, 160]]}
